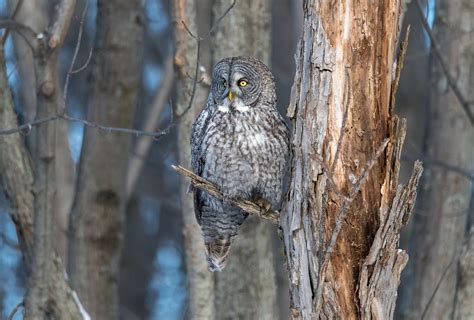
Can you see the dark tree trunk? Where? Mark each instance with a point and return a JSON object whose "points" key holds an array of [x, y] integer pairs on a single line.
{"points": [[99, 209]]}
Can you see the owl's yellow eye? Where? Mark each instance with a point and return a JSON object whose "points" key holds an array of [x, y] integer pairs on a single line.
{"points": [[242, 83]]}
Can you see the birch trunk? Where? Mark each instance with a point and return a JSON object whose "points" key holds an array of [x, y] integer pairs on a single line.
{"points": [[344, 208]]}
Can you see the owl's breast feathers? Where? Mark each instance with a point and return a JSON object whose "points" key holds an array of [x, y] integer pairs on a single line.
{"points": [[242, 152]]}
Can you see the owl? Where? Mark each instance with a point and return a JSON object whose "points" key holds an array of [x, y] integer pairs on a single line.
{"points": [[240, 142]]}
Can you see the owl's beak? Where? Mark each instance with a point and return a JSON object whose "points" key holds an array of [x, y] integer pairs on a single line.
{"points": [[230, 95]]}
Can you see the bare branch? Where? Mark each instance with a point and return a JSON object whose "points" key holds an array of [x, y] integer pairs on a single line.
{"points": [[28, 34], [198, 54], [15, 310], [61, 24], [27, 126], [13, 16], [452, 83], [438, 284], [209, 187], [74, 57]]}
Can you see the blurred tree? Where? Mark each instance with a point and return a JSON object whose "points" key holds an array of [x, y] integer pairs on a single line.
{"points": [[200, 280], [246, 288], [99, 207], [444, 207]]}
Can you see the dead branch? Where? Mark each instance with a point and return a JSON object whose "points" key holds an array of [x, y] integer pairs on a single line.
{"points": [[13, 16], [74, 57], [15, 310], [209, 187]]}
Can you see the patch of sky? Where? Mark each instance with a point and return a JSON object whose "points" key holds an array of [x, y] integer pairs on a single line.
{"points": [[170, 283], [152, 75], [158, 21], [10, 259], [75, 136], [430, 14], [149, 208]]}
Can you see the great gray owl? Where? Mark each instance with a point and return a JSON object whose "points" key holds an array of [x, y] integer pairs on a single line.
{"points": [[240, 143]]}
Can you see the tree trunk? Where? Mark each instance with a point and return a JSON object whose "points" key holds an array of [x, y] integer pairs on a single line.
{"points": [[246, 288], [440, 228], [200, 279], [463, 309], [344, 210], [99, 209]]}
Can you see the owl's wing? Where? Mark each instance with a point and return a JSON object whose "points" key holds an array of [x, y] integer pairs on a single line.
{"points": [[197, 158]]}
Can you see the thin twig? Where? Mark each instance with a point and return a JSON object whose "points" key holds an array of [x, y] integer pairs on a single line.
{"points": [[209, 187], [74, 57], [198, 54], [221, 17], [442, 164], [15, 310], [85, 65], [57, 35], [28, 34], [13, 16], [438, 284], [452, 83], [137, 133], [28, 126]]}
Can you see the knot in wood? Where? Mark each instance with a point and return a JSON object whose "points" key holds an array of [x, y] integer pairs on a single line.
{"points": [[47, 89]]}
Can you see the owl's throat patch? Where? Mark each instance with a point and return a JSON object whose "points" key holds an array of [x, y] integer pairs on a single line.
{"points": [[236, 104]]}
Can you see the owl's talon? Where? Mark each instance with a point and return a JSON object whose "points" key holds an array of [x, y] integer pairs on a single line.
{"points": [[264, 204]]}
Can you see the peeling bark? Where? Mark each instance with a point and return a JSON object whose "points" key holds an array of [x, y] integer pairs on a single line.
{"points": [[340, 188]]}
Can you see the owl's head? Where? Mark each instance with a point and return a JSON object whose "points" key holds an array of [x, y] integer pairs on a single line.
{"points": [[239, 83]]}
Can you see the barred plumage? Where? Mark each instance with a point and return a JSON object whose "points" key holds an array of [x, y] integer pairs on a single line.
{"points": [[239, 142]]}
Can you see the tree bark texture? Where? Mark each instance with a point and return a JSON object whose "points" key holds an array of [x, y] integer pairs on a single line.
{"points": [[344, 209], [440, 228], [49, 290], [35, 15], [99, 210], [463, 309], [246, 288], [200, 279]]}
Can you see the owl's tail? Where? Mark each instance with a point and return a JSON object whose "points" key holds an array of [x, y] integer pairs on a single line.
{"points": [[217, 251]]}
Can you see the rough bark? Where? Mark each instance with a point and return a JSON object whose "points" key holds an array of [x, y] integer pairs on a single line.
{"points": [[16, 169], [344, 209], [200, 279], [246, 288], [48, 291], [35, 15], [463, 309], [99, 210], [439, 229]]}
